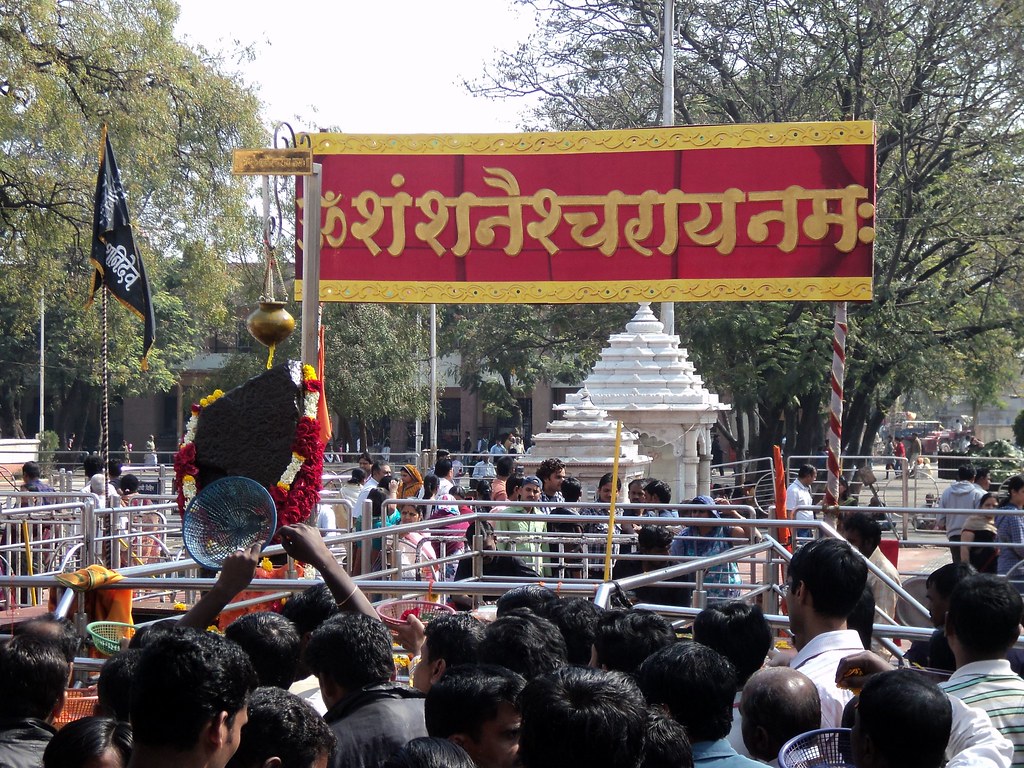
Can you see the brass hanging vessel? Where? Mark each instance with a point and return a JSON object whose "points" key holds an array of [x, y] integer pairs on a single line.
{"points": [[270, 323]]}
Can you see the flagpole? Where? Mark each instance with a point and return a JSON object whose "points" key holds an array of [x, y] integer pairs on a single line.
{"points": [[104, 427]]}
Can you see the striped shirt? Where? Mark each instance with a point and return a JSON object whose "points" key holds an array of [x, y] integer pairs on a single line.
{"points": [[993, 687]]}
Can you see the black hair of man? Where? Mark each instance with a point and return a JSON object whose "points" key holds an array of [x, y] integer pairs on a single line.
{"points": [[737, 630], [114, 689], [903, 719], [148, 634], [653, 537], [512, 485], [666, 744], [30, 471], [365, 456], [778, 703], [548, 467], [284, 726], [272, 644], [525, 643], [454, 638], [697, 686], [352, 650], [945, 578], [61, 630], [807, 472], [128, 483], [861, 619], [377, 468], [443, 467], [468, 696], [572, 489], [92, 464], [576, 618], [659, 490], [480, 528], [83, 742], [535, 597], [114, 469], [310, 608], [185, 679], [33, 675], [966, 472], [624, 639], [504, 466], [428, 752], [980, 473], [869, 530], [985, 615], [834, 574], [582, 716]]}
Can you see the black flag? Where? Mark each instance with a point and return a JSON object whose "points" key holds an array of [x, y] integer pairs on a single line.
{"points": [[118, 263]]}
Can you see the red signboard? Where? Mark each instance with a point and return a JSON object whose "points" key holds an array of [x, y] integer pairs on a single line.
{"points": [[709, 213]]}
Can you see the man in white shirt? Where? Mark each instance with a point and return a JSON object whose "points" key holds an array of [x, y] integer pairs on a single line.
{"points": [[377, 470], [826, 579], [799, 495]]}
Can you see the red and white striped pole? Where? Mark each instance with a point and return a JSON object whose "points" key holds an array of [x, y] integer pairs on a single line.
{"points": [[835, 415]]}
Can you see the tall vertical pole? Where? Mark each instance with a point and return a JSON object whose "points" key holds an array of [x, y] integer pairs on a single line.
{"points": [[835, 414], [668, 119], [42, 359], [433, 378], [311, 266]]}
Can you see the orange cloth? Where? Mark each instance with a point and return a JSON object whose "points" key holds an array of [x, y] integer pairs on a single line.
{"points": [[100, 604], [408, 490]]}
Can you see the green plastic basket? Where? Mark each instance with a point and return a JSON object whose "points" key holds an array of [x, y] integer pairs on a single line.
{"points": [[107, 635]]}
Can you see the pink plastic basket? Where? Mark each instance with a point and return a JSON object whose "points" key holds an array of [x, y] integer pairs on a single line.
{"points": [[393, 612]]}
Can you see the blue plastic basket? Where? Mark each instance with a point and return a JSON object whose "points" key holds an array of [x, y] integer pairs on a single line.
{"points": [[823, 748], [227, 515]]}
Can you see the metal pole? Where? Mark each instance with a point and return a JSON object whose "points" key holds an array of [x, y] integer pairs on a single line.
{"points": [[42, 358], [311, 266], [433, 379], [668, 119]]}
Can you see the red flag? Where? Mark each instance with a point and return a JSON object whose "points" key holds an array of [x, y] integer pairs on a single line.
{"points": [[780, 496], [323, 415]]}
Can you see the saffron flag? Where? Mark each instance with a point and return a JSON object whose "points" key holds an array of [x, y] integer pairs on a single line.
{"points": [[114, 255], [323, 414]]}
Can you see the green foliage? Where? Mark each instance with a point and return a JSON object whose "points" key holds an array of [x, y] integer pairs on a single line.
{"points": [[1018, 429], [173, 115], [506, 349]]}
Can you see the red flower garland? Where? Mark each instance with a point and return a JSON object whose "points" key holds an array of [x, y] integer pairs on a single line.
{"points": [[297, 503]]}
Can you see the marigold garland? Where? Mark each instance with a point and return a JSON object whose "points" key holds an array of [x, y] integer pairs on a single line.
{"points": [[297, 491]]}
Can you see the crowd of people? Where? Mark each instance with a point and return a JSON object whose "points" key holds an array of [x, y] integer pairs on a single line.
{"points": [[551, 680]]}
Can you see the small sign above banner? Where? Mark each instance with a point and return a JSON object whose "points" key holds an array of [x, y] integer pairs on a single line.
{"points": [[773, 212], [271, 162]]}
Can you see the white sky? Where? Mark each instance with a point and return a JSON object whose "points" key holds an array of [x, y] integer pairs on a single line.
{"points": [[376, 66]]}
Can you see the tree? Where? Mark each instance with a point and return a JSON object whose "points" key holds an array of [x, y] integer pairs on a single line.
{"points": [[943, 81], [173, 116], [506, 349]]}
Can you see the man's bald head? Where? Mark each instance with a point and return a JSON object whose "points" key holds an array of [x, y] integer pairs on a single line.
{"points": [[777, 704]]}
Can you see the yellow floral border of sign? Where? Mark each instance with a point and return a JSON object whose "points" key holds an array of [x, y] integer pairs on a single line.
{"points": [[573, 292], [596, 142]]}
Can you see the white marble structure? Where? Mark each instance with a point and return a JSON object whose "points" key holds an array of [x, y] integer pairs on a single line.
{"points": [[645, 379], [584, 438]]}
